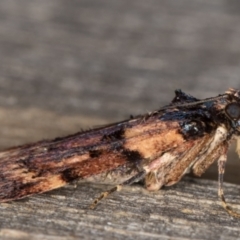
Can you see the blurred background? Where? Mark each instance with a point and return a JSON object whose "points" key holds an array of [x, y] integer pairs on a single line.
{"points": [[67, 65]]}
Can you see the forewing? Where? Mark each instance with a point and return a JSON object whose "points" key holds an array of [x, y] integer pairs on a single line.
{"points": [[126, 146]]}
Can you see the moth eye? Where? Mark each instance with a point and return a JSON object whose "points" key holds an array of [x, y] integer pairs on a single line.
{"points": [[233, 110]]}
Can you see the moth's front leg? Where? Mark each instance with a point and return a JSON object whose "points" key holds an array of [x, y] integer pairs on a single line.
{"points": [[157, 170], [152, 182], [136, 178], [215, 149]]}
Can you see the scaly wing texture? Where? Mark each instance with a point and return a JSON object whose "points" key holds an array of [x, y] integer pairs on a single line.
{"points": [[127, 145]]}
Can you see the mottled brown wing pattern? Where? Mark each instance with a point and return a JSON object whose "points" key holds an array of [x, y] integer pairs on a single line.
{"points": [[161, 147], [47, 165]]}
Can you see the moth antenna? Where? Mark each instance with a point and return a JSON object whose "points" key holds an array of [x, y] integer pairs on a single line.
{"points": [[221, 169], [130, 181], [189, 104]]}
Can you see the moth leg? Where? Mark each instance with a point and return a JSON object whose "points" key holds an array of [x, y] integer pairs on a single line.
{"points": [[130, 181], [221, 169], [153, 182], [200, 166]]}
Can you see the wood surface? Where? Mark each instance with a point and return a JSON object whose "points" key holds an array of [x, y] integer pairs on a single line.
{"points": [[67, 66]]}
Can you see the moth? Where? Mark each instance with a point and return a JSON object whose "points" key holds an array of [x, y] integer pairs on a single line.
{"points": [[159, 148]]}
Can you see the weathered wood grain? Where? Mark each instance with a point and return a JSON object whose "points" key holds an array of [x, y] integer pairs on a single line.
{"points": [[189, 210]]}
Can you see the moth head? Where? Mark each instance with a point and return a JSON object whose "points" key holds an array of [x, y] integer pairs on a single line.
{"points": [[232, 111]]}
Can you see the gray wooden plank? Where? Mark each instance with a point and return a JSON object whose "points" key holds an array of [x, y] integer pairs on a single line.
{"points": [[122, 58], [188, 210]]}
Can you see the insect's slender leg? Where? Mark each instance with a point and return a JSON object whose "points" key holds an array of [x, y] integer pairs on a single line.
{"points": [[130, 181], [221, 169]]}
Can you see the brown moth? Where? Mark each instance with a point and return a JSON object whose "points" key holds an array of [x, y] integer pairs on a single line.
{"points": [[160, 147]]}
